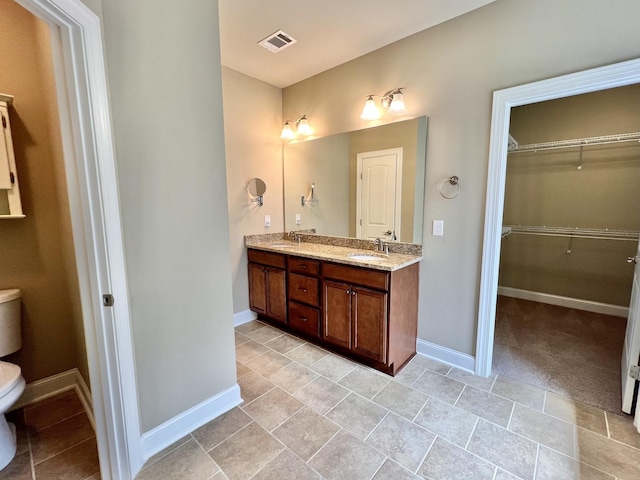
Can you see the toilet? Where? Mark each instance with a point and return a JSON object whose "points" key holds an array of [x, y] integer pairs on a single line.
{"points": [[11, 381]]}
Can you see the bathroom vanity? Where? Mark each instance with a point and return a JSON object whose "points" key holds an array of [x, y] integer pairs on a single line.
{"points": [[347, 298]]}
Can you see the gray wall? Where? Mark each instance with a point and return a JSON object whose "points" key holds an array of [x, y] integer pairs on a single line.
{"points": [[166, 95], [450, 72]]}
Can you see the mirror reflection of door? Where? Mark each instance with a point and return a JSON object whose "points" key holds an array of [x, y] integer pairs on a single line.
{"points": [[379, 194]]}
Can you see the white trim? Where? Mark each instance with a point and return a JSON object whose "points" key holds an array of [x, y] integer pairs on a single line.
{"points": [[446, 355], [47, 387], [174, 429], [84, 394], [245, 316], [611, 76], [85, 119], [577, 303]]}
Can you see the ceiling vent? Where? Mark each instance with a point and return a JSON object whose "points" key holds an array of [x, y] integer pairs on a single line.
{"points": [[277, 41]]}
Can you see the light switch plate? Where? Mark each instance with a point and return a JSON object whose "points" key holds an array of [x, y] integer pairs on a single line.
{"points": [[438, 228], [267, 220], [298, 219]]}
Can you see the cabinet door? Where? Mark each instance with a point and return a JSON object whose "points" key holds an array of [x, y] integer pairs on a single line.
{"points": [[257, 288], [369, 322], [336, 315], [276, 294]]}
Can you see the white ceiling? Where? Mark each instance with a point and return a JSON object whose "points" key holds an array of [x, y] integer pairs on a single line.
{"points": [[329, 32]]}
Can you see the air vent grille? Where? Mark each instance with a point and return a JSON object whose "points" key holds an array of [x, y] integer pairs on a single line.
{"points": [[277, 41]]}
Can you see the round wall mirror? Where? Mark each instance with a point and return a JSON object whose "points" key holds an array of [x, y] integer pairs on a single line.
{"points": [[257, 187]]}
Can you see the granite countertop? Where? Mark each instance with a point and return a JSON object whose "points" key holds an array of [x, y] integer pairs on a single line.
{"points": [[337, 253]]}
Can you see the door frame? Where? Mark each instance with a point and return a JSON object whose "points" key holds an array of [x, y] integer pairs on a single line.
{"points": [[397, 220], [602, 78], [90, 169]]}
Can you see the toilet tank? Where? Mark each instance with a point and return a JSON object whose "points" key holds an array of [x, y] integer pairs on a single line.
{"points": [[10, 333]]}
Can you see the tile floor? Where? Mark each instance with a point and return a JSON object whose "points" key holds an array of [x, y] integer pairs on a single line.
{"points": [[55, 441], [310, 414]]}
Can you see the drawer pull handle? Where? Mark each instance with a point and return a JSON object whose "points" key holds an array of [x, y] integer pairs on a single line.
{"points": [[303, 319], [303, 266], [304, 290]]}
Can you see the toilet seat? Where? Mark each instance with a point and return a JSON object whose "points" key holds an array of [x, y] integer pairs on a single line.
{"points": [[9, 377]]}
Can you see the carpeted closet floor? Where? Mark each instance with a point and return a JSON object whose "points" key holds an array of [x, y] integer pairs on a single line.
{"points": [[570, 352]]}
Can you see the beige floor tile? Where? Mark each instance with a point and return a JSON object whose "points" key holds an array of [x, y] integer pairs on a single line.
{"points": [[401, 440], [451, 423], [250, 326], [409, 374], [284, 343], [481, 383], [287, 466], [446, 460], [187, 461], [166, 451], [268, 363], [240, 338], [244, 454], [621, 428], [18, 469], [502, 475], [77, 463], [486, 405], [346, 457], [430, 364], [390, 470], [544, 429], [553, 465], [273, 408], [607, 455], [333, 367], [306, 432], [532, 397], [306, 354], [364, 381], [253, 385], [52, 410], [507, 450], [241, 369], [265, 334], [401, 399], [65, 434], [219, 476], [439, 386], [577, 413], [219, 429], [249, 350], [321, 394], [357, 415], [292, 377]]}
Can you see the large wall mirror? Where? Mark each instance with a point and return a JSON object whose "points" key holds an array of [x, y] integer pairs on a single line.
{"points": [[351, 183]]}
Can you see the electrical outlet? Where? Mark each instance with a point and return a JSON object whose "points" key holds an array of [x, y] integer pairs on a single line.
{"points": [[298, 219], [438, 228], [267, 220]]}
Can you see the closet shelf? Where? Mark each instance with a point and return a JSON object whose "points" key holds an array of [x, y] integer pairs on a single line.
{"points": [[590, 233], [514, 147]]}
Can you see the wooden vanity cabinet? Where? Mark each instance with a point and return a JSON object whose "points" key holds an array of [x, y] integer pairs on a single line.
{"points": [[304, 296], [268, 285]]}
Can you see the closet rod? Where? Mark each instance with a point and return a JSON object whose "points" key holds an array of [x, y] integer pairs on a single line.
{"points": [[577, 142], [589, 233]]}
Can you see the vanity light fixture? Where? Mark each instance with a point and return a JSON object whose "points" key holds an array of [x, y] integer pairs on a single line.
{"points": [[302, 128], [392, 101]]}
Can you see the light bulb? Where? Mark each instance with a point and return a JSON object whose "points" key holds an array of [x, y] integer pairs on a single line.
{"points": [[397, 104], [370, 111], [303, 126], [287, 132]]}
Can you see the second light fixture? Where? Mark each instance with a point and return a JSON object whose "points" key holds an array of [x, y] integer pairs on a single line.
{"points": [[302, 128], [392, 101]]}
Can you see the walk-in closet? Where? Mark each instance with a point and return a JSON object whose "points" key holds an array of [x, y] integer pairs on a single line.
{"points": [[571, 223]]}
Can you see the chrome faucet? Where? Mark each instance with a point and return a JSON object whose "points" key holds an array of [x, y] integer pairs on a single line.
{"points": [[380, 245], [295, 236]]}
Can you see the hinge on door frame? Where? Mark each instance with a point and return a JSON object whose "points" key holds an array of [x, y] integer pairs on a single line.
{"points": [[107, 300], [634, 372], [4, 122]]}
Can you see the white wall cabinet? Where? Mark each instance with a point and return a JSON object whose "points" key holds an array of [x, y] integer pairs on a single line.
{"points": [[10, 204]]}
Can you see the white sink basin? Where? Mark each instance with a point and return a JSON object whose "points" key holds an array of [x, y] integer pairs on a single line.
{"points": [[366, 257]]}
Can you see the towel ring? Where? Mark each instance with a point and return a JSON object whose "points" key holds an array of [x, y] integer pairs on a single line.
{"points": [[454, 180]]}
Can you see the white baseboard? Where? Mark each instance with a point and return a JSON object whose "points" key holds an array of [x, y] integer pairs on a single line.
{"points": [[446, 355], [55, 384], [172, 430], [578, 304], [244, 317]]}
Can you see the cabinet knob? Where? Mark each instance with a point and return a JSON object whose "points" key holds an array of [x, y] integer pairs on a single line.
{"points": [[353, 293], [303, 289], [303, 266], [348, 292], [302, 319]]}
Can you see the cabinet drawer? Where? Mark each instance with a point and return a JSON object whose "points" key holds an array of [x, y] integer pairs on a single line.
{"points": [[304, 319], [304, 265], [360, 276], [304, 289], [267, 258]]}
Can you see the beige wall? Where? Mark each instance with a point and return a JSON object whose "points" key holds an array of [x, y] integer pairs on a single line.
{"points": [[450, 72], [36, 253], [252, 125], [165, 84], [546, 188]]}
